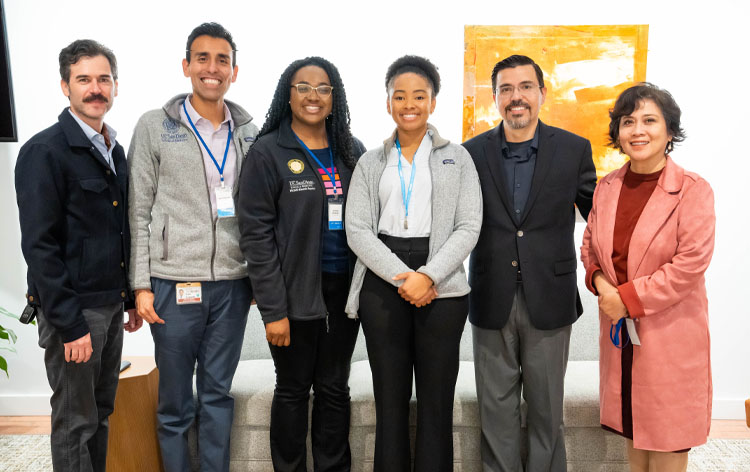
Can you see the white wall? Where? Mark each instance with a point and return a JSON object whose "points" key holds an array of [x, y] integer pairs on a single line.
{"points": [[698, 53]]}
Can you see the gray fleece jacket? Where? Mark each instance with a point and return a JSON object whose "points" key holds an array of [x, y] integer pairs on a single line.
{"points": [[456, 219], [173, 232]]}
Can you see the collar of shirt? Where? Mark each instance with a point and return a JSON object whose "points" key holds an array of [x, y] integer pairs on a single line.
{"points": [[534, 146], [203, 124], [425, 146], [94, 136]]}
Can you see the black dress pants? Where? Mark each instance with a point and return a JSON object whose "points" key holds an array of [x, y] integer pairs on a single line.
{"points": [[318, 356], [402, 341]]}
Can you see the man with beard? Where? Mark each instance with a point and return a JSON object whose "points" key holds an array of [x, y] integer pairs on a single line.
{"points": [[71, 186], [524, 295]]}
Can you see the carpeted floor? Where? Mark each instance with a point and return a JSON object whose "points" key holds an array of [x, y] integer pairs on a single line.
{"points": [[27, 453]]}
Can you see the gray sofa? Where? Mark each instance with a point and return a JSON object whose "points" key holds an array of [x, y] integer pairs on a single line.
{"points": [[589, 448]]}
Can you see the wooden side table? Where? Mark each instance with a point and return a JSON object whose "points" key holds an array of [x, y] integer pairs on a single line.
{"points": [[133, 443]]}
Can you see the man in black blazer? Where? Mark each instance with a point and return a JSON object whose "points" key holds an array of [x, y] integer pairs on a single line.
{"points": [[524, 295], [71, 187]]}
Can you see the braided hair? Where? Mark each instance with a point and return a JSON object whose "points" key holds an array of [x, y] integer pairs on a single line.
{"points": [[337, 123]]}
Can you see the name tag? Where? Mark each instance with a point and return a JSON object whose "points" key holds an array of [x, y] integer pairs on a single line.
{"points": [[224, 202], [188, 293], [335, 215]]}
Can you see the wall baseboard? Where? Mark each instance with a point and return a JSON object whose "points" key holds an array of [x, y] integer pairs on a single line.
{"points": [[24, 405], [728, 409]]}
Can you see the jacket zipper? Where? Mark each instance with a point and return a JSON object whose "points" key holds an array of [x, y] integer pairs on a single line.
{"points": [[432, 200], [210, 211], [313, 165]]}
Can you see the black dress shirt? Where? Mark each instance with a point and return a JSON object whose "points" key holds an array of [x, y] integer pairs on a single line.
{"points": [[519, 160]]}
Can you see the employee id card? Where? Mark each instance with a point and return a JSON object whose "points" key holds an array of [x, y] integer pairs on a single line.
{"points": [[188, 293], [335, 214], [630, 324], [224, 202]]}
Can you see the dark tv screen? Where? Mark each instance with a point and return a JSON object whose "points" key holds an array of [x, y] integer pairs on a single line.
{"points": [[7, 113]]}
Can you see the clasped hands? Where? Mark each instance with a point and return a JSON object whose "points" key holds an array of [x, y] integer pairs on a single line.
{"points": [[610, 302], [417, 289]]}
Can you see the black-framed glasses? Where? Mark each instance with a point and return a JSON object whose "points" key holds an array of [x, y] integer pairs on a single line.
{"points": [[306, 89], [524, 89]]}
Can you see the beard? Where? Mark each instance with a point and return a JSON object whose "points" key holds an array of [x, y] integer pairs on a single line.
{"points": [[517, 123]]}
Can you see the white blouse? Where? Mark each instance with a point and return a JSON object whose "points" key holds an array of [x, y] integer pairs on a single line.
{"points": [[392, 210]]}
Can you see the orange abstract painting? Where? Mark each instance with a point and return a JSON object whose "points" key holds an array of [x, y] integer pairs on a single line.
{"points": [[585, 69]]}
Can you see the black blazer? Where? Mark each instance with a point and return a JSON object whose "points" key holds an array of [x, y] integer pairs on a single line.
{"points": [[542, 244], [74, 225]]}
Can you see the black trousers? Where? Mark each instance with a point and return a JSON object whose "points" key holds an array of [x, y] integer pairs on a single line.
{"points": [[319, 356], [403, 340], [83, 395]]}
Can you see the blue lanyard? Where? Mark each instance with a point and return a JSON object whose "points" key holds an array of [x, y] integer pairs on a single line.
{"points": [[615, 336], [406, 197], [332, 174], [229, 140]]}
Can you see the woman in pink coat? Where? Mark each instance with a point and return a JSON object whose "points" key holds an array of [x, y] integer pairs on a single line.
{"points": [[648, 242]]}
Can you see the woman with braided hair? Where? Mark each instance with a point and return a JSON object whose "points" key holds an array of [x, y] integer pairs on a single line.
{"points": [[292, 193]]}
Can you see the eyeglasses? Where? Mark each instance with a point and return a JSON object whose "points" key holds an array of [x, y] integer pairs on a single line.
{"points": [[306, 89], [523, 89]]}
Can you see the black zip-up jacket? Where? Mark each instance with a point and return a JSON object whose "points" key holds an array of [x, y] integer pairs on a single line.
{"points": [[74, 225], [280, 209]]}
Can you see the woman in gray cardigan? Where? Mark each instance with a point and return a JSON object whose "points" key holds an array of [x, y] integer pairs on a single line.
{"points": [[413, 215]]}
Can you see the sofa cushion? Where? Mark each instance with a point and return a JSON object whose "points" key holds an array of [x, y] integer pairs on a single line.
{"points": [[254, 383], [588, 446]]}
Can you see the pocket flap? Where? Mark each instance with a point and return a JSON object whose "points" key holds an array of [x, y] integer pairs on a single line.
{"points": [[566, 267], [94, 185]]}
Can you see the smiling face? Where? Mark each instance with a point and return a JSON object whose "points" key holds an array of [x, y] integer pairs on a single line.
{"points": [[210, 68], [520, 110], [410, 102], [643, 137], [310, 109], [91, 89]]}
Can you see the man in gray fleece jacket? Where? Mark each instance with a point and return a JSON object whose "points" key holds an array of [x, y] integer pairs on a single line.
{"points": [[187, 270]]}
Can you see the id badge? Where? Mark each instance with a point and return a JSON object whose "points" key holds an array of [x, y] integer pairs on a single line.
{"points": [[336, 214], [188, 293], [224, 202], [630, 324]]}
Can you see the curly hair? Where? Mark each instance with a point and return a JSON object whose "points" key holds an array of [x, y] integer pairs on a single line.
{"points": [[337, 123], [631, 99], [417, 65]]}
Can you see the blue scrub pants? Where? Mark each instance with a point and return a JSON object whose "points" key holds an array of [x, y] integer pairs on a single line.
{"points": [[210, 335]]}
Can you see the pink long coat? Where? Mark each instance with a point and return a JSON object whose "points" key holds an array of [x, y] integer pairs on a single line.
{"points": [[669, 252]]}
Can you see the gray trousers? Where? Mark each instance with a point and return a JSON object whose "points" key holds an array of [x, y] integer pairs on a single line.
{"points": [[83, 395], [521, 359]]}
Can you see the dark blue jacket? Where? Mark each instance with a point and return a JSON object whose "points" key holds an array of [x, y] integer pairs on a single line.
{"points": [[74, 225]]}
